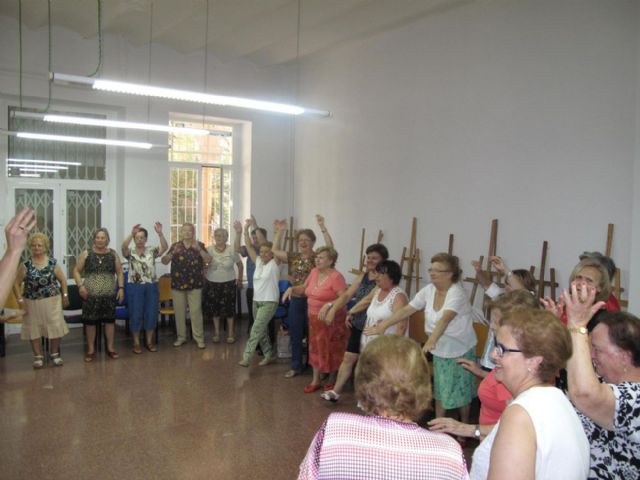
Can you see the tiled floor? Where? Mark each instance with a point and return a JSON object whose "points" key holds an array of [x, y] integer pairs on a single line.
{"points": [[180, 413]]}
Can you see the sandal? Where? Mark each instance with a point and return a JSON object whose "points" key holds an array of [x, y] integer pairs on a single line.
{"points": [[331, 396], [312, 387], [113, 355], [231, 340], [38, 362], [89, 357], [151, 347], [56, 359], [137, 349]]}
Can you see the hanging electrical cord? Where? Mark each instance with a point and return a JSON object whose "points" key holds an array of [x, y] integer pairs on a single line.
{"points": [[99, 40], [50, 53], [20, 51], [206, 61], [149, 66]]}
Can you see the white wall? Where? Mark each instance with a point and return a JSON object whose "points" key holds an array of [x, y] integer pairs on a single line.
{"points": [[524, 111], [141, 193]]}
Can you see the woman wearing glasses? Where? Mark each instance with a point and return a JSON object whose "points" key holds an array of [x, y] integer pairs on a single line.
{"points": [[448, 322], [539, 435]]}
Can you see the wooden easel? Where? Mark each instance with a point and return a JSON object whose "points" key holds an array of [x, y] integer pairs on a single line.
{"points": [[412, 260], [289, 238], [542, 283], [450, 248], [493, 244], [360, 269], [616, 286]]}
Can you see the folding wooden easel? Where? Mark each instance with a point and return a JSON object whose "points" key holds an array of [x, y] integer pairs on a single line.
{"points": [[412, 260], [360, 269], [616, 286], [493, 244], [541, 282], [290, 244]]}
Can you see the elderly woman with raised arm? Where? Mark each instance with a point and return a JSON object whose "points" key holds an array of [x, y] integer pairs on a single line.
{"points": [[393, 386], [539, 435], [449, 324], [327, 340], [223, 279], [96, 272], [358, 290], [300, 265], [45, 293], [187, 257], [265, 299], [610, 409], [142, 289], [493, 395]]}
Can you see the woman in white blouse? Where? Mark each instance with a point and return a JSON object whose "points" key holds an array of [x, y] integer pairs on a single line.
{"points": [[448, 322], [221, 284]]}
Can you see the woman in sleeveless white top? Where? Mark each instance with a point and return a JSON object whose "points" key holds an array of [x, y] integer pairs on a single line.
{"points": [[381, 310]]}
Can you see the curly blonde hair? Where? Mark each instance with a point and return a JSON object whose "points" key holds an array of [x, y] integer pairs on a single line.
{"points": [[393, 378]]}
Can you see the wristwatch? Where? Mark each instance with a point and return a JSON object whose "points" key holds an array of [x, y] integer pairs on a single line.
{"points": [[476, 432], [581, 330]]}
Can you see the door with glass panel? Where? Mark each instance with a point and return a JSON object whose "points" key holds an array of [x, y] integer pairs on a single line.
{"points": [[67, 215]]}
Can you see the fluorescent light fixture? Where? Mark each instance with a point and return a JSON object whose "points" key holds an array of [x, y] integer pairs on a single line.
{"points": [[185, 95], [39, 169], [37, 175], [99, 122], [93, 141], [26, 166], [48, 162]]}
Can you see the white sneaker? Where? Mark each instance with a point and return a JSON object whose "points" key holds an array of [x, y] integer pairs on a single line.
{"points": [[267, 360], [179, 343], [331, 396]]}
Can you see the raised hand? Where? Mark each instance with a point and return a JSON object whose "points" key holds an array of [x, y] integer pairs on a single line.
{"points": [[499, 264], [557, 308], [135, 229], [18, 229], [253, 222], [477, 266], [237, 226], [157, 227], [320, 220], [580, 304]]}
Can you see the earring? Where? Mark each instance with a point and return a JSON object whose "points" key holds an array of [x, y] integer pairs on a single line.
{"points": [[529, 370]]}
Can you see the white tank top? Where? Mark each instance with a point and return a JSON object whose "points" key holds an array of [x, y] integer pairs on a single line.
{"points": [[379, 311]]}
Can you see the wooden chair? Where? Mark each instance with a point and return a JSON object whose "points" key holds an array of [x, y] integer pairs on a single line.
{"points": [[12, 303], [164, 296]]}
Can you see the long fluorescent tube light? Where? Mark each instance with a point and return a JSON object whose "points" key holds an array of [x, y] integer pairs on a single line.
{"points": [[26, 166], [93, 141], [99, 122], [52, 162], [37, 175], [102, 122], [161, 92], [40, 169]]}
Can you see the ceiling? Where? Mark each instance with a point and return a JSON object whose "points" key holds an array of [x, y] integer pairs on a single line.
{"points": [[264, 32]]}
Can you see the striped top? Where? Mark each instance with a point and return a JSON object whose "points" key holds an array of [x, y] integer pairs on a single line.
{"points": [[357, 447]]}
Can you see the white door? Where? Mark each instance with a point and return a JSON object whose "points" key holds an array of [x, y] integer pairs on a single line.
{"points": [[68, 213]]}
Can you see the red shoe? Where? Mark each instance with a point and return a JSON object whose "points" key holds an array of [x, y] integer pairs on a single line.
{"points": [[328, 387], [312, 387]]}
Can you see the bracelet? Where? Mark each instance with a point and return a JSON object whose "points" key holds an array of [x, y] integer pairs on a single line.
{"points": [[120, 288], [21, 300], [65, 294], [580, 330]]}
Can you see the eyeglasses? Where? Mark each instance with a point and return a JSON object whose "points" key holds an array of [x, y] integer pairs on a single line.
{"points": [[501, 350], [434, 270]]}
